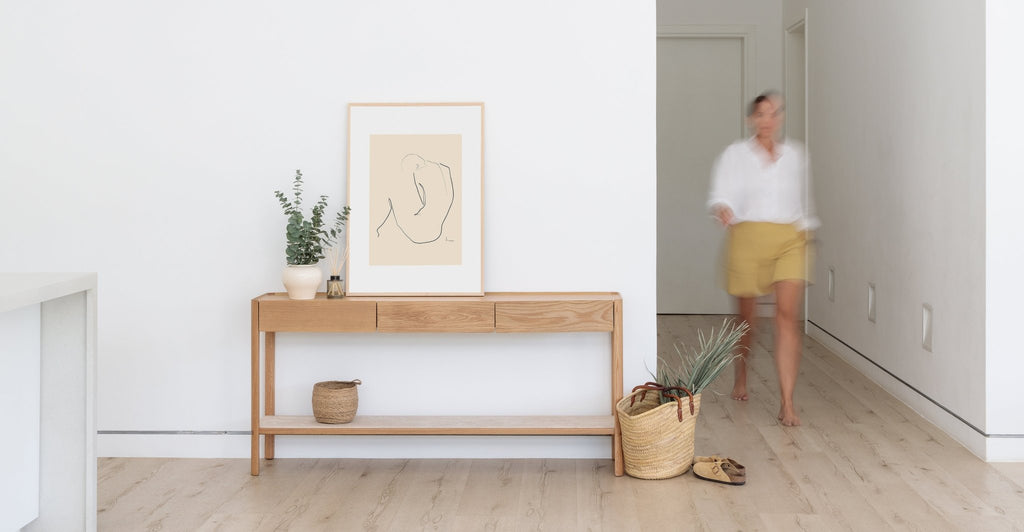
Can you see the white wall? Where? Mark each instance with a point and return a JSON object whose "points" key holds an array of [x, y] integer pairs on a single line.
{"points": [[144, 142], [897, 140], [1004, 254], [765, 15]]}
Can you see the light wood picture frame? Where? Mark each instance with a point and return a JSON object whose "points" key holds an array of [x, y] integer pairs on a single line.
{"points": [[415, 185]]}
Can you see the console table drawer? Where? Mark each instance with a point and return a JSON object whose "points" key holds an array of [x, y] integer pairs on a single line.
{"points": [[435, 316], [318, 315], [553, 316]]}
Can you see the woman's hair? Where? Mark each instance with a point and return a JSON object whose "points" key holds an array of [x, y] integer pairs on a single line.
{"points": [[764, 96]]}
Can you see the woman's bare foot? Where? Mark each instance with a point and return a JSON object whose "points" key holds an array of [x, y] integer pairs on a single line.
{"points": [[739, 386], [788, 417]]}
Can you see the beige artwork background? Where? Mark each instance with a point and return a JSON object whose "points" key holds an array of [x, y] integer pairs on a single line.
{"points": [[410, 224]]}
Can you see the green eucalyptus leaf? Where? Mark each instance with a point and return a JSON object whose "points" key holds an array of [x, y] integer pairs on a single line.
{"points": [[307, 238]]}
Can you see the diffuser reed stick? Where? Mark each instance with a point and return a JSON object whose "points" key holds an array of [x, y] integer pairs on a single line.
{"points": [[337, 259]]}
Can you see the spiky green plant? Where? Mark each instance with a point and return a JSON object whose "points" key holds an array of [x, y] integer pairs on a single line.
{"points": [[704, 364], [307, 238]]}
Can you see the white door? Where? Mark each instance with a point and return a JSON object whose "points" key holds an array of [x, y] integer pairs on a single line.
{"points": [[700, 112]]}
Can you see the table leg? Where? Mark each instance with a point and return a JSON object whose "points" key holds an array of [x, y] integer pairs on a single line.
{"points": [[255, 391], [268, 394], [617, 386]]}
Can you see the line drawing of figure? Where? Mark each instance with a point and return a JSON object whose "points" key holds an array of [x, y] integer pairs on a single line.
{"points": [[421, 216]]}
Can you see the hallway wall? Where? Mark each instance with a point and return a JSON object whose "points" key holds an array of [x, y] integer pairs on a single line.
{"points": [[897, 141]]}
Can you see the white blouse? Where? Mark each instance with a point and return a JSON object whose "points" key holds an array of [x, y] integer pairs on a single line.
{"points": [[745, 179]]}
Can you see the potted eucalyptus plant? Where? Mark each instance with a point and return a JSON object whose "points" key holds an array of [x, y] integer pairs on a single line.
{"points": [[307, 239]]}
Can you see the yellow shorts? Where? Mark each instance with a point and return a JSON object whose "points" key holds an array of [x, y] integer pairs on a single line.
{"points": [[761, 253]]}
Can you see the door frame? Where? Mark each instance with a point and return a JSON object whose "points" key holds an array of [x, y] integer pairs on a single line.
{"points": [[800, 26]]}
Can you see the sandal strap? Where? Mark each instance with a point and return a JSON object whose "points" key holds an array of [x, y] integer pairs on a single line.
{"points": [[735, 467]]}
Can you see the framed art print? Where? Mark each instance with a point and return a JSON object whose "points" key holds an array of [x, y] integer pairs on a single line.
{"points": [[415, 185]]}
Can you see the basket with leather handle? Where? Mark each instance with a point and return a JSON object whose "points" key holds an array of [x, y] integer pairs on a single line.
{"points": [[335, 401], [657, 438]]}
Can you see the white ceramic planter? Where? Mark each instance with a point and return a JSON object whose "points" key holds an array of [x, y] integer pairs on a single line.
{"points": [[302, 281]]}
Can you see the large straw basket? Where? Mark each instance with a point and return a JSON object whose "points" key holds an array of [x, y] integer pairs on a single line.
{"points": [[335, 401], [657, 439]]}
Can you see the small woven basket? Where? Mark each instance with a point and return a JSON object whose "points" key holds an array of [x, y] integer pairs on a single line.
{"points": [[657, 439], [335, 401]]}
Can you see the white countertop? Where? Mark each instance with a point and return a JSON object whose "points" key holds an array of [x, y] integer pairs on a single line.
{"points": [[21, 289]]}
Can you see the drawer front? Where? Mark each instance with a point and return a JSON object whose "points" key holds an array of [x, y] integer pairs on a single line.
{"points": [[318, 315], [435, 316], [553, 316]]}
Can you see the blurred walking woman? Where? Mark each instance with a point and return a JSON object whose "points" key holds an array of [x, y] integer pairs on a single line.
{"points": [[759, 192]]}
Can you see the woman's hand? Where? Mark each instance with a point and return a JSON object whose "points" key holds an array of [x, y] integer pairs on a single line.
{"points": [[723, 214]]}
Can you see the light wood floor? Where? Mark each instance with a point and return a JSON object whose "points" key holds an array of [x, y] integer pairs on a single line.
{"points": [[861, 461]]}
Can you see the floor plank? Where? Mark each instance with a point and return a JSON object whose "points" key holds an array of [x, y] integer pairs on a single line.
{"points": [[437, 487], [547, 498], [604, 501], [491, 496], [364, 495]]}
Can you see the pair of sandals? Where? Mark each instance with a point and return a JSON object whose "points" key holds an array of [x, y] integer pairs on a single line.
{"points": [[721, 470]]}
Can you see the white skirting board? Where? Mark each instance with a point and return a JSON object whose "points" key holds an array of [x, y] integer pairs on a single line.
{"points": [[237, 446], [988, 448]]}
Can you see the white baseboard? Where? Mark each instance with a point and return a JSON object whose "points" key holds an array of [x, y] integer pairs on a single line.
{"points": [[1005, 449], [991, 449], [173, 445], [237, 446]]}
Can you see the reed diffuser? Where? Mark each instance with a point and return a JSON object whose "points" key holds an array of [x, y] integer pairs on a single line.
{"points": [[335, 284]]}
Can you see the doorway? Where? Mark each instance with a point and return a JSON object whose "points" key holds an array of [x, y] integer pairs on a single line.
{"points": [[703, 83]]}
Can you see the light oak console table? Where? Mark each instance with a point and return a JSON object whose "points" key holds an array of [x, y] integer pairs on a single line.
{"points": [[493, 312]]}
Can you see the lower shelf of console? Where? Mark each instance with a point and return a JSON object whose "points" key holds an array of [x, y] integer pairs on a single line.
{"points": [[445, 425]]}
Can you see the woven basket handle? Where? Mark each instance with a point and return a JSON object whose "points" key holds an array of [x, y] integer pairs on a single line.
{"points": [[665, 392], [645, 386], [679, 400]]}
